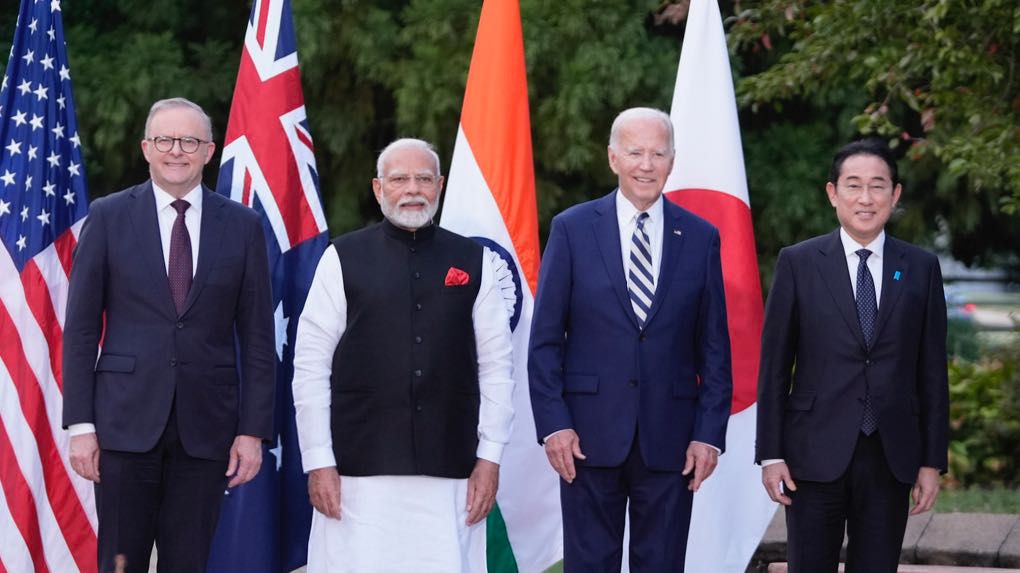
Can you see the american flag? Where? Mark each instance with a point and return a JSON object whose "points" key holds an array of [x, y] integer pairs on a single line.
{"points": [[269, 164], [47, 513]]}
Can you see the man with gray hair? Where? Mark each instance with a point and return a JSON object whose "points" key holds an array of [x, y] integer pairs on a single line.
{"points": [[630, 359], [172, 281], [402, 385]]}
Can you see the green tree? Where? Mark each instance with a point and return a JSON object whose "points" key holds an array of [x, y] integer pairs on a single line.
{"points": [[937, 77]]}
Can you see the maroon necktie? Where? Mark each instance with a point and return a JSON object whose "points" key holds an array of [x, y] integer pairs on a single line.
{"points": [[179, 269]]}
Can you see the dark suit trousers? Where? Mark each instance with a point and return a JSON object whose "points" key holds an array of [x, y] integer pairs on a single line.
{"points": [[593, 518], [163, 495], [867, 500]]}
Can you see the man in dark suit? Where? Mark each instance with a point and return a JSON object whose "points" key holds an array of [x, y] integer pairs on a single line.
{"points": [[630, 359], [170, 289], [853, 390]]}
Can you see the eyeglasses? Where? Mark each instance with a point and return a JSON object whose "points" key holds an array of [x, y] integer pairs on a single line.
{"points": [[402, 179], [164, 144], [855, 190]]}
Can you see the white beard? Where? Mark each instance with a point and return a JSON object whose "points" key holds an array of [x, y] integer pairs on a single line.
{"points": [[408, 219]]}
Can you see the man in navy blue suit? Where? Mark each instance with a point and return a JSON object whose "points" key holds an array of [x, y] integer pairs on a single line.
{"points": [[630, 359], [171, 282], [853, 390]]}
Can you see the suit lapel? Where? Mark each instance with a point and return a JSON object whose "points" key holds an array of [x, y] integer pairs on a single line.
{"points": [[894, 267], [209, 238], [832, 266], [145, 227], [672, 243], [607, 237]]}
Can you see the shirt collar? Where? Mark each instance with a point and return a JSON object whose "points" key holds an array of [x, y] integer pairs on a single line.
{"points": [[163, 199], [626, 211], [850, 246]]}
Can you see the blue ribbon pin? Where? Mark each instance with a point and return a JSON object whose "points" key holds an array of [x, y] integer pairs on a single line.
{"points": [[896, 276]]}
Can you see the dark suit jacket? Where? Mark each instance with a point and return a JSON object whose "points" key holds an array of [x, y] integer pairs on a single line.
{"points": [[151, 357], [814, 363], [592, 369]]}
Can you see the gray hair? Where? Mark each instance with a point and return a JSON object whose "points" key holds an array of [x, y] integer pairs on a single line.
{"points": [[635, 113], [176, 103], [406, 143]]}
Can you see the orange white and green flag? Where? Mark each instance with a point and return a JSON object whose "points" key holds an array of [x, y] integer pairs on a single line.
{"points": [[490, 197]]}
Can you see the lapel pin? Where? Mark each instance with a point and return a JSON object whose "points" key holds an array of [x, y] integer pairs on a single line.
{"points": [[677, 232], [896, 276]]}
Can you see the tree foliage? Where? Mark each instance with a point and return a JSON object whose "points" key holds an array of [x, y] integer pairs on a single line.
{"points": [[810, 76], [938, 79]]}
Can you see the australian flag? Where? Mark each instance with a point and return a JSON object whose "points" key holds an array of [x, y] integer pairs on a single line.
{"points": [[269, 165]]}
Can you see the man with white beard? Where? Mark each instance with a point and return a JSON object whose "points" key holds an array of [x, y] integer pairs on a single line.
{"points": [[402, 385]]}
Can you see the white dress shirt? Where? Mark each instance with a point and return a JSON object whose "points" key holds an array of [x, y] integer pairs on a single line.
{"points": [[323, 323], [626, 216], [166, 215]]}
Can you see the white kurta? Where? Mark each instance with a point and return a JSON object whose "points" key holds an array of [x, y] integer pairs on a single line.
{"points": [[396, 523]]}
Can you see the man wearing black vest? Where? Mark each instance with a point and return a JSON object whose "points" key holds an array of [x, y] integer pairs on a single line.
{"points": [[402, 385]]}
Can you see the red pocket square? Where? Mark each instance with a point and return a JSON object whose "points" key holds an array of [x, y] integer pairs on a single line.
{"points": [[456, 277]]}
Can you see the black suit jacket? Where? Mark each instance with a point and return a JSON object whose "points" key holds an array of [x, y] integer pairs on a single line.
{"points": [[215, 361], [814, 363]]}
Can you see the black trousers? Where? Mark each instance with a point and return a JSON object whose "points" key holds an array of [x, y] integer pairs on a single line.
{"points": [[163, 495], [594, 507], [866, 500]]}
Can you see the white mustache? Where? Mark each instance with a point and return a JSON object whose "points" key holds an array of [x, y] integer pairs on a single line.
{"points": [[412, 203]]}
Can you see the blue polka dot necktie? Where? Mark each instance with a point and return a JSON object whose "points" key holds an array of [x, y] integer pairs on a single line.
{"points": [[867, 314]]}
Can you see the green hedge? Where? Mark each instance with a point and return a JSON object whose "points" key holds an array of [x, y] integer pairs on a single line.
{"points": [[984, 419]]}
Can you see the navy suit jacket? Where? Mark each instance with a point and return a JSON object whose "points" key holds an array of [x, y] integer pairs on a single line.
{"points": [[152, 358], [594, 370], [815, 366]]}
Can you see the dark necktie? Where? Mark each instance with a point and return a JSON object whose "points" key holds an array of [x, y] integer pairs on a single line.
{"points": [[640, 281], [867, 312], [179, 269]]}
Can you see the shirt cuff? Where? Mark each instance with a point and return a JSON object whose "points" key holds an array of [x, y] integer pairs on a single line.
{"points": [[770, 462], [717, 450], [546, 439], [315, 458], [491, 451], [81, 429]]}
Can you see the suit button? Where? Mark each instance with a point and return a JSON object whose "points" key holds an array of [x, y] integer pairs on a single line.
{"points": [[632, 383], [180, 325], [642, 338], [173, 362], [417, 340], [417, 275], [417, 408], [867, 362], [414, 250], [417, 306], [417, 373]]}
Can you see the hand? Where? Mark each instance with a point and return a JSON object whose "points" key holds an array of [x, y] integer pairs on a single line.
{"points": [[774, 474], [85, 456], [561, 448], [702, 459], [324, 491], [482, 486], [245, 460], [925, 490]]}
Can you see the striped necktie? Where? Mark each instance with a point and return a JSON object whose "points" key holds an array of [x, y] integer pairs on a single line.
{"points": [[640, 280]]}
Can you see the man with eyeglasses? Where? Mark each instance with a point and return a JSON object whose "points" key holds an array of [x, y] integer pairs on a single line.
{"points": [[170, 288], [853, 390], [402, 385]]}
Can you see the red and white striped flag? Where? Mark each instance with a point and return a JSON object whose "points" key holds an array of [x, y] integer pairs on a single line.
{"points": [[491, 198], [47, 513], [731, 510]]}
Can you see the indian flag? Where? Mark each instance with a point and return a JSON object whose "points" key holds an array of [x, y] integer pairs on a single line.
{"points": [[491, 198], [731, 510]]}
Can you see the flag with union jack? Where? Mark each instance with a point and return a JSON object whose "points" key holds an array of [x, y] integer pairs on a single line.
{"points": [[269, 164], [47, 513]]}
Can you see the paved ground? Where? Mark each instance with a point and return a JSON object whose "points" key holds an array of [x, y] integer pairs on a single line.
{"points": [[960, 539]]}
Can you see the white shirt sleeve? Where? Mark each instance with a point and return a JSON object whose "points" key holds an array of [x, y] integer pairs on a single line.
{"points": [[320, 327], [495, 364]]}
